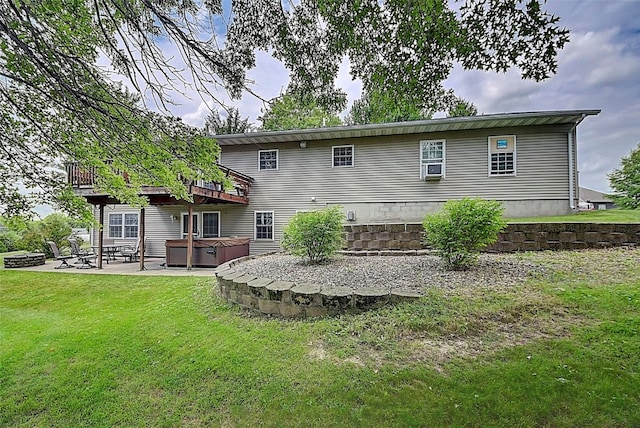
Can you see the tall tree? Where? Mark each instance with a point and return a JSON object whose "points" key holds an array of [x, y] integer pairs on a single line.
{"points": [[292, 111], [461, 108], [57, 102], [231, 124], [625, 181], [377, 107]]}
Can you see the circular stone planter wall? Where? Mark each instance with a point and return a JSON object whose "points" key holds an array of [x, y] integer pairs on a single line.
{"points": [[292, 300], [24, 260]]}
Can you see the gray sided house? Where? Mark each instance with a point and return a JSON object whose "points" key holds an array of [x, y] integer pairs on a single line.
{"points": [[382, 173]]}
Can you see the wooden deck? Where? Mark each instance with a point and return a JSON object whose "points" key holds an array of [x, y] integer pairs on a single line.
{"points": [[83, 182]]}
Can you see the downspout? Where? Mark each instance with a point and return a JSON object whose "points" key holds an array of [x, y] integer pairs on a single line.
{"points": [[572, 165]]}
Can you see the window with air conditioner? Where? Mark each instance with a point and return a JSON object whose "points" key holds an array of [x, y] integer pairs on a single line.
{"points": [[502, 155], [432, 159]]}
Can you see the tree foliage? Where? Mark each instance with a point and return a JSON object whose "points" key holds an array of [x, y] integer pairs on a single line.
{"points": [[462, 108], [462, 229], [32, 236], [231, 124], [315, 235], [625, 181], [60, 62], [290, 111], [377, 107]]}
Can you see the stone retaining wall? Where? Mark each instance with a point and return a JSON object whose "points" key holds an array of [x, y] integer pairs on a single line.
{"points": [[565, 236], [291, 300], [24, 260], [517, 236]]}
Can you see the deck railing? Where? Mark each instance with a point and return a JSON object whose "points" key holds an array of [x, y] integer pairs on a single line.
{"points": [[82, 177]]}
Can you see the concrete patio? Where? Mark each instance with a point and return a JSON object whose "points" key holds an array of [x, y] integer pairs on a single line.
{"points": [[153, 266]]}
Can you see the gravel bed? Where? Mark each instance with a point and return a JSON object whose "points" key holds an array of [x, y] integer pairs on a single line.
{"points": [[397, 272]]}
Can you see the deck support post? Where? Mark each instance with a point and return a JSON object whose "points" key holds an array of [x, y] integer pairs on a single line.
{"points": [[190, 238], [142, 235], [100, 235]]}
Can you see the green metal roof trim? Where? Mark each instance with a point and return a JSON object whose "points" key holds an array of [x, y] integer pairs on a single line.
{"points": [[502, 120]]}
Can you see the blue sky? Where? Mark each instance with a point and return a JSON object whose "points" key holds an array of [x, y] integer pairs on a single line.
{"points": [[598, 69]]}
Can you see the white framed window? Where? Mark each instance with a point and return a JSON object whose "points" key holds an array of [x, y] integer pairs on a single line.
{"points": [[184, 228], [263, 225], [432, 159], [267, 159], [342, 156], [123, 225], [502, 155], [211, 224]]}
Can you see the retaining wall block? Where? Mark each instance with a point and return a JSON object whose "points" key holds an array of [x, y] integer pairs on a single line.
{"points": [[280, 290], [518, 237], [577, 227], [399, 296], [592, 237], [377, 244], [579, 245], [384, 236], [306, 295], [394, 245], [530, 246], [257, 287], [370, 298], [234, 296], [249, 301], [270, 307], [357, 245], [414, 227], [337, 299], [528, 227], [617, 237], [567, 237], [291, 310], [359, 228], [414, 245], [376, 228], [240, 283], [604, 244], [395, 227]]}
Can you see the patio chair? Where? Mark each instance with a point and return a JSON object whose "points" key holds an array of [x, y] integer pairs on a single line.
{"points": [[84, 257], [132, 253], [58, 256]]}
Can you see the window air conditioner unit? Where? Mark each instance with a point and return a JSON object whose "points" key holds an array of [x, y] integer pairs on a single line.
{"points": [[432, 171]]}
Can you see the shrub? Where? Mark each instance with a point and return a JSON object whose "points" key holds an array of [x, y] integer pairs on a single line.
{"points": [[462, 229], [9, 241], [316, 235]]}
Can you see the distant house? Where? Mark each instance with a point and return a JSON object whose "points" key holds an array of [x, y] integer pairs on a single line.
{"points": [[393, 172], [592, 199]]}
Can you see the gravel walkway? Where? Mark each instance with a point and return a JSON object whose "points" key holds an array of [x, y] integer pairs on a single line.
{"points": [[398, 272]]}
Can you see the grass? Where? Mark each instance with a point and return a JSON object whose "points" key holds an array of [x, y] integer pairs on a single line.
{"points": [[597, 216], [562, 349]]}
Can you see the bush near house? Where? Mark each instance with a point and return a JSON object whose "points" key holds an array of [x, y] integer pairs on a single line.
{"points": [[462, 229], [315, 235]]}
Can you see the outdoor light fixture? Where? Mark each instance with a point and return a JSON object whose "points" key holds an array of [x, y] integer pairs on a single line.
{"points": [[313, 199], [303, 144]]}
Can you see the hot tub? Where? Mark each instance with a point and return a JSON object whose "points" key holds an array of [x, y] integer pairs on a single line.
{"points": [[207, 252]]}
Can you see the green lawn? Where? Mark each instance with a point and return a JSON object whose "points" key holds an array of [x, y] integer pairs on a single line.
{"points": [[561, 350], [596, 216]]}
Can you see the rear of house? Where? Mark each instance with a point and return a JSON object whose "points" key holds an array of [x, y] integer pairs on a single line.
{"points": [[387, 173]]}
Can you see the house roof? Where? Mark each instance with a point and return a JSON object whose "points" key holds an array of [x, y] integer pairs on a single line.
{"points": [[589, 195], [501, 120]]}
